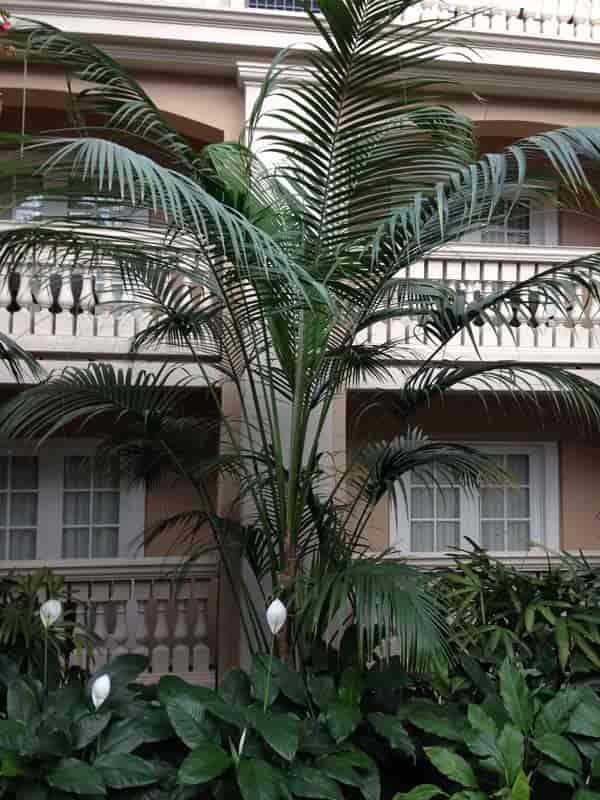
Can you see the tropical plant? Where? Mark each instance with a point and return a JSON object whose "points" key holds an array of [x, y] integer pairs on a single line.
{"points": [[278, 733], [516, 744], [271, 279], [23, 638], [58, 744], [548, 621]]}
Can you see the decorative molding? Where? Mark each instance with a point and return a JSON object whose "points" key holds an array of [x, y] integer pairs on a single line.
{"points": [[534, 561]]}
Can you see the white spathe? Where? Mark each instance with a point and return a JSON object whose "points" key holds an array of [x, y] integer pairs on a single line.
{"points": [[276, 616], [100, 690], [50, 612]]}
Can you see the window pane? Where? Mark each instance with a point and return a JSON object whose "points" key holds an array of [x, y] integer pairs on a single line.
{"points": [[3, 472], [492, 535], [421, 503], [23, 509], [448, 503], [24, 472], [76, 508], [518, 536], [105, 542], [2, 545], [492, 503], [447, 535], [106, 476], [106, 508], [77, 472], [518, 466], [517, 502], [76, 543], [3, 509], [421, 537], [22, 545]]}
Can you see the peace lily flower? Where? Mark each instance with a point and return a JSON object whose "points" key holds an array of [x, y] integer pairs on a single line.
{"points": [[100, 690], [50, 611], [276, 616]]}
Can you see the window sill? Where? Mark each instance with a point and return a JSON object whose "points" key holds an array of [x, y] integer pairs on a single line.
{"points": [[534, 560]]}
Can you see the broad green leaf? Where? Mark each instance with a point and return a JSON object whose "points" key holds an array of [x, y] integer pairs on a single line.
{"points": [[187, 716], [171, 686], [391, 728], [520, 788], [123, 736], [351, 686], [561, 633], [261, 682], [452, 766], [124, 771], [236, 688], [469, 794], [436, 719], [342, 720], [22, 703], [9, 670], [341, 767], [204, 764], [305, 781], [530, 617], [559, 749], [122, 670], [322, 690], [12, 734], [290, 682], [586, 794], [511, 746], [557, 774], [88, 728], [72, 775], [424, 792], [154, 723], [554, 715], [585, 718], [516, 695], [481, 721], [280, 731], [258, 780], [315, 738], [370, 786]]}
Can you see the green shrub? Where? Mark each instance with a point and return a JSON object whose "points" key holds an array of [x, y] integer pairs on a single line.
{"points": [[56, 746], [549, 622], [518, 742]]}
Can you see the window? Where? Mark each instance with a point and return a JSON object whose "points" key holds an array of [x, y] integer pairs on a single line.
{"points": [[434, 516], [514, 229], [529, 223], [59, 504]]}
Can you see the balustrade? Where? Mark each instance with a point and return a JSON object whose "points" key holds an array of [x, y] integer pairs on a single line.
{"points": [[143, 606]]}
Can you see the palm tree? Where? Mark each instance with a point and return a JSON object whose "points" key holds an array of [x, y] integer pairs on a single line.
{"points": [[269, 279]]}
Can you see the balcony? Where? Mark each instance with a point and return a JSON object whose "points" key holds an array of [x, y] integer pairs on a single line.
{"points": [[542, 334], [141, 606]]}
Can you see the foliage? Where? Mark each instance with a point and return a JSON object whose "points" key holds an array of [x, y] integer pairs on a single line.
{"points": [[517, 743], [55, 745], [289, 269], [548, 621], [277, 733], [22, 636]]}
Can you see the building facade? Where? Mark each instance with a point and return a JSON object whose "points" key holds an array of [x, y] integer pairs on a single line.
{"points": [[532, 66]]}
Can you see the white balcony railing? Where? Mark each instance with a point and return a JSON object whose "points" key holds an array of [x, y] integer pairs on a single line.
{"points": [[143, 606], [571, 19], [540, 332]]}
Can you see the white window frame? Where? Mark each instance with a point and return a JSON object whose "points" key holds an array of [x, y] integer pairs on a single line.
{"points": [[50, 499], [544, 500], [543, 228]]}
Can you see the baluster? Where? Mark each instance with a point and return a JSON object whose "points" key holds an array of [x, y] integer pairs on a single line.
{"points": [[532, 15], [595, 20], [120, 633], [498, 17], [181, 650], [101, 633], [582, 21], [566, 9], [161, 649], [143, 622], [66, 299], [201, 653], [5, 294], [429, 10], [514, 23], [465, 7], [549, 18]]}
